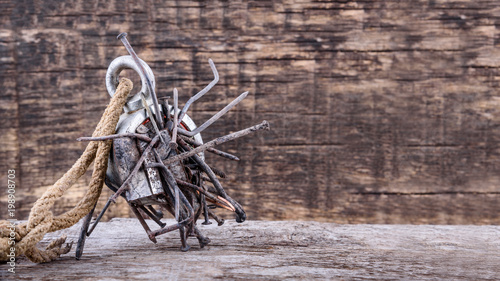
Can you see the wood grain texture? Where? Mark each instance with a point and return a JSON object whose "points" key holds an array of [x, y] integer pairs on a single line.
{"points": [[275, 250], [381, 111]]}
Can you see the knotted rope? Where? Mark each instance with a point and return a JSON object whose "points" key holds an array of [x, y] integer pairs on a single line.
{"points": [[41, 219]]}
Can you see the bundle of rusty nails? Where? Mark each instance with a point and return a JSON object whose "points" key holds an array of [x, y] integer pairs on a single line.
{"points": [[157, 159]]}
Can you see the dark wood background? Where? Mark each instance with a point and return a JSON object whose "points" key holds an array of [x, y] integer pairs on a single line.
{"points": [[381, 111]]}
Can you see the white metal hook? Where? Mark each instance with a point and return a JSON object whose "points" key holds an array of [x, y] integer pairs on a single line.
{"points": [[117, 66]]}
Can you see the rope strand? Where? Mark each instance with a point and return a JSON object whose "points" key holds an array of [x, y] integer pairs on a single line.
{"points": [[41, 219]]}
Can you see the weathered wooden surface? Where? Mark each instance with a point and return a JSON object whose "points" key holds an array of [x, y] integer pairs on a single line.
{"points": [[258, 250], [381, 111]]}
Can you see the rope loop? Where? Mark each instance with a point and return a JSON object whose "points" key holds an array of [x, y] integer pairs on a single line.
{"points": [[41, 220]]}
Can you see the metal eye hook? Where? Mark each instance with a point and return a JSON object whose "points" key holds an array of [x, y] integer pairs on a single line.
{"points": [[123, 37], [114, 69]]}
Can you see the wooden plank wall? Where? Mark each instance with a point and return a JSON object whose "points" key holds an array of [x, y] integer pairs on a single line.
{"points": [[381, 111]]}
